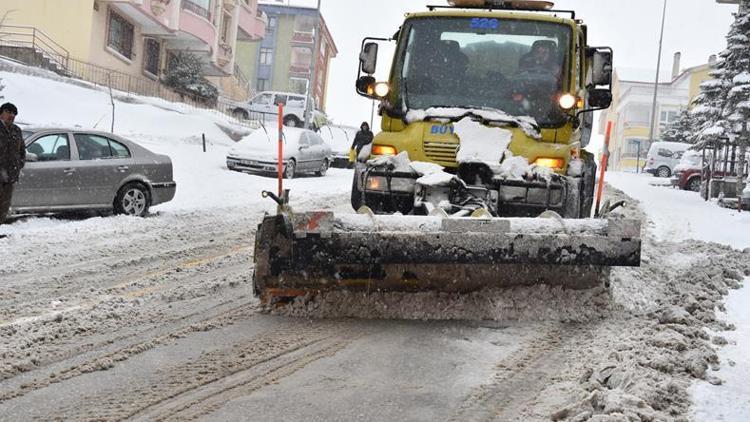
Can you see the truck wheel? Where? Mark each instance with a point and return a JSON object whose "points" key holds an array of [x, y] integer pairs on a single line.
{"points": [[356, 194], [663, 171], [589, 184]]}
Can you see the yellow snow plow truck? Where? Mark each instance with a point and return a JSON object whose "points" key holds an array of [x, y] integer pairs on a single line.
{"points": [[478, 177]]}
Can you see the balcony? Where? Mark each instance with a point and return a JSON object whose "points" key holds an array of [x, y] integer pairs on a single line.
{"points": [[302, 70], [197, 9], [225, 55], [155, 17], [251, 22], [303, 37], [199, 33]]}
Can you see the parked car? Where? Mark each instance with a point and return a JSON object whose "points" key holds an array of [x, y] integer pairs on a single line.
{"points": [[266, 106], [663, 157], [304, 152], [340, 139], [687, 173], [75, 170]]}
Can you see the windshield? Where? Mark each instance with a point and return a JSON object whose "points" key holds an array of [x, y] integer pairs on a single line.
{"points": [[512, 65]]}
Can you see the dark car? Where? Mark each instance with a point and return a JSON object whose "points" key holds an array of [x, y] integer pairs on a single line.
{"points": [[75, 170]]}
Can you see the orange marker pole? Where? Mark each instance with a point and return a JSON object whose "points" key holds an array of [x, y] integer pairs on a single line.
{"points": [[603, 164], [281, 150]]}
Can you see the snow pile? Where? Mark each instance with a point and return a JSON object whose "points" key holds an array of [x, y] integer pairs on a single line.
{"points": [[575, 168], [399, 163], [515, 168], [445, 114], [691, 160], [480, 143]]}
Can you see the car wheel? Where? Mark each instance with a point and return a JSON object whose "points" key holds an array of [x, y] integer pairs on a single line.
{"points": [[694, 184], [133, 199], [663, 171], [292, 121], [240, 114], [323, 169], [290, 169]]}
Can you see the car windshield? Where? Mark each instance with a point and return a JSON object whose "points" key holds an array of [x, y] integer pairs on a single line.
{"points": [[512, 65]]}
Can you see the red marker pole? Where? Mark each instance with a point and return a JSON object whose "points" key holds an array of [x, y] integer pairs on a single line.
{"points": [[281, 150], [605, 159]]}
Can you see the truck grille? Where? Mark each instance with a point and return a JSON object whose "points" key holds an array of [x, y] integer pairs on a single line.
{"points": [[441, 152]]}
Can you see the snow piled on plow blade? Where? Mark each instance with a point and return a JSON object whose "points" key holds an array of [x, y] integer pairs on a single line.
{"points": [[314, 252]]}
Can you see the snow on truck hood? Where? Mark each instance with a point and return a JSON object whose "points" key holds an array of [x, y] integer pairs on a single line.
{"points": [[526, 123]]}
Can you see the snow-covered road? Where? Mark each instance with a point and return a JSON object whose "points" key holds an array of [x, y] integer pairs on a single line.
{"points": [[111, 318]]}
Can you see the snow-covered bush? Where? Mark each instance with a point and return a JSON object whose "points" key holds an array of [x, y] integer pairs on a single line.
{"points": [[185, 75]]}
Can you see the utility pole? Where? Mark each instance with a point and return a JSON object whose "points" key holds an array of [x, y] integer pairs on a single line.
{"points": [[313, 68], [656, 84]]}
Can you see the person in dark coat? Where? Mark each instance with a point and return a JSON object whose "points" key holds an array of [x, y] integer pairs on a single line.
{"points": [[12, 156], [361, 139]]}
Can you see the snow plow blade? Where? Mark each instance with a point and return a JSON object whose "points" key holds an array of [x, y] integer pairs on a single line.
{"points": [[299, 254]]}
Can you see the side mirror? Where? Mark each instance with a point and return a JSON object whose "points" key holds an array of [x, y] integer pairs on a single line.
{"points": [[366, 86], [601, 65], [600, 98], [31, 157], [368, 58]]}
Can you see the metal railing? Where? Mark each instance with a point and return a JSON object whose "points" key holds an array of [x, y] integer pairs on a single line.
{"points": [[196, 8], [30, 37]]}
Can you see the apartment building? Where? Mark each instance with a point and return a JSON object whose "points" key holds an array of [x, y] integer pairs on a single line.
{"points": [[136, 37], [283, 59], [630, 112]]}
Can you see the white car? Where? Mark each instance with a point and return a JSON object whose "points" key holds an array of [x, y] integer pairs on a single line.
{"points": [[340, 139], [304, 152], [265, 106], [663, 157]]}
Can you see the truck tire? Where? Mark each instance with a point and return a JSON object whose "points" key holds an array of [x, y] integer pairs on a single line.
{"points": [[589, 184], [356, 194]]}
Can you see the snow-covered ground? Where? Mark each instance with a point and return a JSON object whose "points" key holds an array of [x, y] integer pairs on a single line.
{"points": [[203, 180], [681, 216]]}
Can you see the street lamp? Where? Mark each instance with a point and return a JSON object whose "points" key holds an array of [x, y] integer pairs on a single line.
{"points": [[658, 69]]}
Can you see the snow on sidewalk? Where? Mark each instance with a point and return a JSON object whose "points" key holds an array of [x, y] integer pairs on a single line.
{"points": [[681, 215]]}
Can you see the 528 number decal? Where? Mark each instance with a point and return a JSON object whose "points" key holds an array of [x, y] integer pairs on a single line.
{"points": [[484, 23]]}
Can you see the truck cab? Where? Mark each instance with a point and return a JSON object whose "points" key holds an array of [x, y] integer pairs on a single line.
{"points": [[519, 65]]}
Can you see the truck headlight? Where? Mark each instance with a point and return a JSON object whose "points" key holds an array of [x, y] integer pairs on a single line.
{"points": [[568, 101], [553, 163], [384, 150], [398, 184], [382, 89]]}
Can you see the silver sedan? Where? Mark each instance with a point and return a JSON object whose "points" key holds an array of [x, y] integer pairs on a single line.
{"points": [[304, 152], [73, 170]]}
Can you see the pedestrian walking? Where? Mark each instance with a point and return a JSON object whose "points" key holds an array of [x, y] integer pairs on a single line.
{"points": [[361, 139], [12, 156]]}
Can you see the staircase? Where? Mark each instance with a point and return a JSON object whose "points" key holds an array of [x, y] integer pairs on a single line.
{"points": [[33, 47]]}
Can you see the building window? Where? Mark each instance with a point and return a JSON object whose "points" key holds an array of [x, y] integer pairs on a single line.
{"points": [[199, 7], [271, 24], [305, 24], [266, 56], [638, 115], [151, 55], [263, 84], [634, 146], [121, 34], [298, 85], [666, 117]]}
